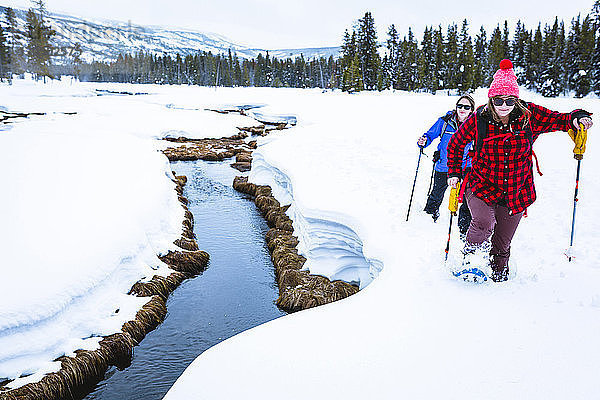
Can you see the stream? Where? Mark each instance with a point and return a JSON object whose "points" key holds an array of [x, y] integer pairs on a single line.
{"points": [[235, 293]]}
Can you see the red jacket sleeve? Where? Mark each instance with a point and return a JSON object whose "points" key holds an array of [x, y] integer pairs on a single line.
{"points": [[544, 120], [456, 147]]}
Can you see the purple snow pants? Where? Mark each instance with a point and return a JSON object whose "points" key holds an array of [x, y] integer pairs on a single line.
{"points": [[492, 220]]}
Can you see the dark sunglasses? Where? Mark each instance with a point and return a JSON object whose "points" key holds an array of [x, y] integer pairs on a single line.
{"points": [[498, 101], [463, 106]]}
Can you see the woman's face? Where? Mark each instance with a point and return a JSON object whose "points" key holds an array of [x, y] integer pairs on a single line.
{"points": [[463, 109], [504, 105]]}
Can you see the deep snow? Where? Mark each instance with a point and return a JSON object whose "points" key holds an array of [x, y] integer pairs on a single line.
{"points": [[87, 205], [416, 332], [348, 165]]}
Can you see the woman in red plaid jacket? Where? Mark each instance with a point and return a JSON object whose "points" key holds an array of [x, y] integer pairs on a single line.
{"points": [[500, 185]]}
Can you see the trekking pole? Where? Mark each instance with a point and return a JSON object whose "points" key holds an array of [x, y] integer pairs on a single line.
{"points": [[435, 159], [415, 181], [453, 207], [431, 180], [580, 139]]}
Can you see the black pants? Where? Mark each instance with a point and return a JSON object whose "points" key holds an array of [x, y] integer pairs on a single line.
{"points": [[440, 184]]}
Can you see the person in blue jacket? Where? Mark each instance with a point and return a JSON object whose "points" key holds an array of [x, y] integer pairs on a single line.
{"points": [[444, 128]]}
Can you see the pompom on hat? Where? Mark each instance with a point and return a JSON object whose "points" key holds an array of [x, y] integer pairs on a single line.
{"points": [[505, 81]]}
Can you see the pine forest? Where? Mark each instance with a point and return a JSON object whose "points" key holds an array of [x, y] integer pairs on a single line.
{"points": [[552, 59]]}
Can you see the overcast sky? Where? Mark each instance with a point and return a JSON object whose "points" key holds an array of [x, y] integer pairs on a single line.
{"points": [[275, 24]]}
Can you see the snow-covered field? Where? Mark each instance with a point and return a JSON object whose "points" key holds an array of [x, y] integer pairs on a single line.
{"points": [[348, 167], [415, 332], [87, 204]]}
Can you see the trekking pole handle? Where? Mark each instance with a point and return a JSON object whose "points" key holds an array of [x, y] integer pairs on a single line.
{"points": [[579, 139], [453, 202]]}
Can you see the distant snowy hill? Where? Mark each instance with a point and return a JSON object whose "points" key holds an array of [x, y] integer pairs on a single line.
{"points": [[104, 39]]}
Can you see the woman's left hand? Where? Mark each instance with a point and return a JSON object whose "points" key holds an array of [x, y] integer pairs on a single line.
{"points": [[585, 121]]}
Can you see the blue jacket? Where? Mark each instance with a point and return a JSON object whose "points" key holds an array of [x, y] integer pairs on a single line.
{"points": [[447, 124]]}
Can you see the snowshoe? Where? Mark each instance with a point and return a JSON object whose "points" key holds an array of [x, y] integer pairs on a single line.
{"points": [[475, 264], [473, 275]]}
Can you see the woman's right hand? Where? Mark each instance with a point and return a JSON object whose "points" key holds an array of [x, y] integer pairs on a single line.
{"points": [[422, 141], [453, 182]]}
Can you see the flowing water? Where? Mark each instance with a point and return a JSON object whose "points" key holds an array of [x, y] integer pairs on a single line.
{"points": [[235, 293]]}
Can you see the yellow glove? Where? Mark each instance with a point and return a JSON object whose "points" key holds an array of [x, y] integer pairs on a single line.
{"points": [[579, 138], [453, 204]]}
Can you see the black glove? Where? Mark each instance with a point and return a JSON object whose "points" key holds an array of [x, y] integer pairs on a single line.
{"points": [[436, 156], [578, 114]]}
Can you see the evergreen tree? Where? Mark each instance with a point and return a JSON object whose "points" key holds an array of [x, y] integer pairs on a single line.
{"points": [[595, 15], [481, 71], [39, 48], [496, 52], [384, 78], [246, 80], [466, 60], [75, 57], [506, 41], [354, 75], [367, 51], [393, 49], [409, 76], [348, 55], [552, 49], [572, 54], [451, 58], [596, 67], [519, 50], [259, 71], [426, 65], [4, 56], [582, 80], [559, 55], [237, 72], [533, 73], [439, 58], [16, 52], [334, 73], [403, 66], [546, 83]]}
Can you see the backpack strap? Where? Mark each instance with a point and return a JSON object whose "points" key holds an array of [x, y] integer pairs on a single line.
{"points": [[481, 132], [480, 128], [529, 135], [446, 118], [529, 132], [444, 128]]}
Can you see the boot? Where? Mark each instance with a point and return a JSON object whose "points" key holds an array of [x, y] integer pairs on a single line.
{"points": [[499, 274], [499, 268]]}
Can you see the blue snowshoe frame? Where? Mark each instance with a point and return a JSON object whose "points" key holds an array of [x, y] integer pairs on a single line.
{"points": [[474, 275]]}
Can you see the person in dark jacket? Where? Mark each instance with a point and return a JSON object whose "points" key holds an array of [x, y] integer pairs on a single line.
{"points": [[444, 128], [500, 185]]}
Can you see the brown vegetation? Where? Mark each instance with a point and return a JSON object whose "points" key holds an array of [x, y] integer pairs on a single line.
{"points": [[298, 289], [206, 149]]}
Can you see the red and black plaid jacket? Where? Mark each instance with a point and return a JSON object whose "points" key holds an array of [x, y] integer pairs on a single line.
{"points": [[503, 169]]}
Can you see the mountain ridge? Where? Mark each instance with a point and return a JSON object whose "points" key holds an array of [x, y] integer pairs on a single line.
{"points": [[104, 39]]}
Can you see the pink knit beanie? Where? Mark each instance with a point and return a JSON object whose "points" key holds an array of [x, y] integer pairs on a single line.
{"points": [[505, 81]]}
